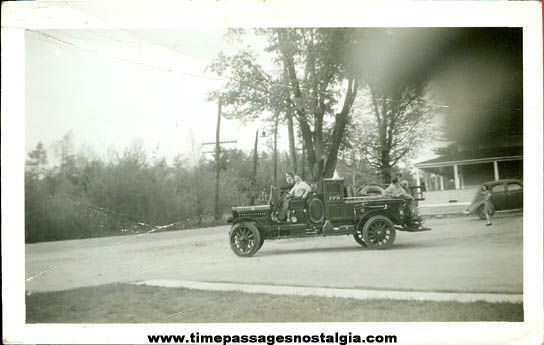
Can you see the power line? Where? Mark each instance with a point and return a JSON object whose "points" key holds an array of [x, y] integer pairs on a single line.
{"points": [[219, 78], [221, 142]]}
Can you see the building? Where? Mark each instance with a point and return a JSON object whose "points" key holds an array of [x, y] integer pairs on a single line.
{"points": [[459, 170]]}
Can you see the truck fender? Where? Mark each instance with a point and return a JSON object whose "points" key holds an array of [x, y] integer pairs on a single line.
{"points": [[363, 218], [249, 220]]}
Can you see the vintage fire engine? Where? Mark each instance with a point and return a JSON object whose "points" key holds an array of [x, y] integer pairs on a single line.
{"points": [[372, 219]]}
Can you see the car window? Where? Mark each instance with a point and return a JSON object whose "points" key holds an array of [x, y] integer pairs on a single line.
{"points": [[497, 188], [514, 186]]}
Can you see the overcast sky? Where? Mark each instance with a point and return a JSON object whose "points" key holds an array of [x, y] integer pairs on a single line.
{"points": [[113, 87]]}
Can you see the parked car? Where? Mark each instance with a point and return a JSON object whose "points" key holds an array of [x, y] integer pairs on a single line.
{"points": [[506, 194], [372, 220]]}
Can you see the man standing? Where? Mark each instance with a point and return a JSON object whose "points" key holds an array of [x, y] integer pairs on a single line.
{"points": [[299, 191]]}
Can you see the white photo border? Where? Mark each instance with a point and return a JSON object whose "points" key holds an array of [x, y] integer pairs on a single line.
{"points": [[18, 16]]}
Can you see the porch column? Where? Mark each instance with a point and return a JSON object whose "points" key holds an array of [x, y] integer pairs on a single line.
{"points": [[441, 182], [496, 170], [427, 183], [418, 181], [435, 180], [456, 177]]}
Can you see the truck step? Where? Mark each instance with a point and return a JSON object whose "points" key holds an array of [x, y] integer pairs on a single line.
{"points": [[418, 229]]}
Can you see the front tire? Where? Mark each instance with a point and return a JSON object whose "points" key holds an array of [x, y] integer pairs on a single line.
{"points": [[379, 232], [260, 244], [245, 239]]}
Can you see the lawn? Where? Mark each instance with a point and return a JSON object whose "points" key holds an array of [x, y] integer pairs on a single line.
{"points": [[125, 303]]}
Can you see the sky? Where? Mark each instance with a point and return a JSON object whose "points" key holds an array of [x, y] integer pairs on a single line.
{"points": [[112, 88]]}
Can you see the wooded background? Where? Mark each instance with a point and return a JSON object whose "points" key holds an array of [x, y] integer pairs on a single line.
{"points": [[361, 101]]}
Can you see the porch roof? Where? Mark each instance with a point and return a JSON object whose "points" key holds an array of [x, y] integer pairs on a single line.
{"points": [[474, 157]]}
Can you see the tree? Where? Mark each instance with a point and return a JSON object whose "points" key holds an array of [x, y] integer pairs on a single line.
{"points": [[250, 93], [355, 169], [311, 69], [322, 53], [37, 161], [392, 117], [65, 153], [392, 126]]}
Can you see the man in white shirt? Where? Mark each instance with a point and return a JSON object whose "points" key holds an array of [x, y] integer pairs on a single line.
{"points": [[299, 191]]}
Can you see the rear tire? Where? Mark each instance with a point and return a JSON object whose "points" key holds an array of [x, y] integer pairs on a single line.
{"points": [[379, 232], [372, 189], [245, 239]]}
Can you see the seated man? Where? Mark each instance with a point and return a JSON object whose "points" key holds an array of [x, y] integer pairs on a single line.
{"points": [[412, 205], [277, 194], [289, 182], [395, 190], [299, 191]]}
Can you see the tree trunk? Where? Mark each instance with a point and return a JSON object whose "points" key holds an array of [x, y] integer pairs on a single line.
{"points": [[307, 135], [386, 167], [217, 138], [338, 133], [303, 161], [254, 182], [386, 172], [292, 145], [198, 196], [353, 168], [339, 128], [276, 150]]}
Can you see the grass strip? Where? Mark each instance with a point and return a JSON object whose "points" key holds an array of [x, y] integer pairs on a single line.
{"points": [[125, 303]]}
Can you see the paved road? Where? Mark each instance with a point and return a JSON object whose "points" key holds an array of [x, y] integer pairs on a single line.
{"points": [[459, 254]]}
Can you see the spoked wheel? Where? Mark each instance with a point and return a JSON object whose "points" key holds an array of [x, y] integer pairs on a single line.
{"points": [[379, 232], [245, 239], [358, 235]]}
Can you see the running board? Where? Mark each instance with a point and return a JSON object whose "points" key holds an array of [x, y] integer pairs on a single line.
{"points": [[419, 229]]}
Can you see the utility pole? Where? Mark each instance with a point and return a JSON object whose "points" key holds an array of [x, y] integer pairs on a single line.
{"points": [[255, 157], [216, 153], [217, 147]]}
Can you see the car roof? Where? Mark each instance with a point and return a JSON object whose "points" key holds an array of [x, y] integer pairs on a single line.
{"points": [[508, 180]]}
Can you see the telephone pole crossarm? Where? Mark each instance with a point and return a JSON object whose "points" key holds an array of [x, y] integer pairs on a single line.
{"points": [[221, 142]]}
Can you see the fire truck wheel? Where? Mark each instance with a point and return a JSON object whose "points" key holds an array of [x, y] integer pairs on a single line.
{"points": [[358, 235], [245, 239], [260, 244], [379, 232]]}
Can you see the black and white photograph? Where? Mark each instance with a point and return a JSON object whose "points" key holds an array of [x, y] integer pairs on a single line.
{"points": [[320, 181]]}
